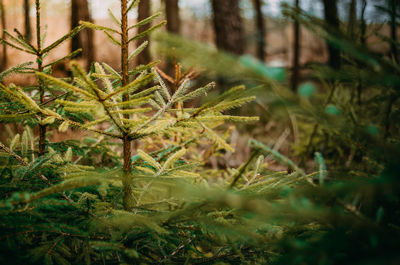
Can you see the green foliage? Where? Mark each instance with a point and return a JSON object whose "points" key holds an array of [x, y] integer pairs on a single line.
{"points": [[336, 202]]}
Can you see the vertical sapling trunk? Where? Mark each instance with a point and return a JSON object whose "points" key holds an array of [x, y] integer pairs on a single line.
{"points": [[127, 142], [39, 61]]}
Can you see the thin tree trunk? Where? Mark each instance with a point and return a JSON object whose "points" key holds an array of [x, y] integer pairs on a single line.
{"points": [[228, 26], [261, 30], [363, 40], [363, 37], [173, 18], [127, 142], [296, 51], [39, 60], [75, 41], [352, 19], [144, 12], [173, 26], [3, 27], [332, 20], [393, 30], [393, 47], [392, 100], [27, 21], [84, 40]]}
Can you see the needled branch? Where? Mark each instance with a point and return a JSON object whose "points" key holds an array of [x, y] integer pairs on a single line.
{"points": [[237, 176], [20, 160], [128, 199]]}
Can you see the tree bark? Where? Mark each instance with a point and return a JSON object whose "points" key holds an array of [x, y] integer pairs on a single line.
{"points": [[261, 30], [332, 20], [84, 40], [352, 19], [393, 5], [144, 12], [127, 142], [174, 27], [40, 68], [27, 21], [3, 27], [173, 18], [393, 29], [363, 37], [296, 51], [228, 26]]}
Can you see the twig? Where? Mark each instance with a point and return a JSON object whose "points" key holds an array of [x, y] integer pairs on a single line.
{"points": [[47, 102], [242, 169], [178, 249], [11, 153]]}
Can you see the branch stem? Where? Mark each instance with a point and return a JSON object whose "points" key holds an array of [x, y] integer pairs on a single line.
{"points": [[127, 142], [39, 60]]}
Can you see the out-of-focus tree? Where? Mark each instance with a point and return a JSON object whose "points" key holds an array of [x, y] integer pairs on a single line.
{"points": [[27, 21], [393, 5], [296, 51], [3, 27], [352, 19], [332, 20], [80, 11], [144, 12], [363, 22], [228, 26], [172, 14], [173, 26], [261, 29]]}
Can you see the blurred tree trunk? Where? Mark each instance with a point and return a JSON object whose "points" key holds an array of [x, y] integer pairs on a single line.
{"points": [[173, 26], [3, 27], [173, 19], [261, 29], [144, 12], [27, 21], [332, 20], [393, 29], [228, 26], [84, 40], [296, 51], [352, 19], [363, 40], [393, 6], [363, 37]]}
